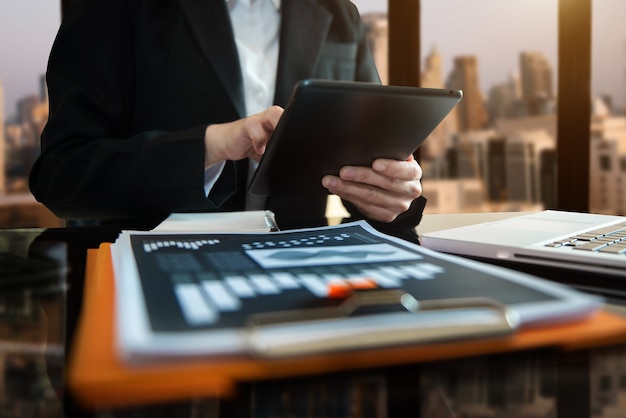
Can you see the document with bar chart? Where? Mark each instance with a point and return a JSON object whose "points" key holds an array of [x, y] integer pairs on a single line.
{"points": [[344, 287]]}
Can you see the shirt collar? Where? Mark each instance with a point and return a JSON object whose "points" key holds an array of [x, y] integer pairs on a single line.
{"points": [[232, 3]]}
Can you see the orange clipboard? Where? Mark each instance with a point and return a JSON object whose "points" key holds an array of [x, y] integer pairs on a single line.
{"points": [[99, 379]]}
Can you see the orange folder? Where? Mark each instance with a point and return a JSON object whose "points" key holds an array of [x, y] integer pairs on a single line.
{"points": [[98, 377]]}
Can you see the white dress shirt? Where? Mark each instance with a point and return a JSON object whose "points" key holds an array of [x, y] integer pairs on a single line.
{"points": [[256, 26]]}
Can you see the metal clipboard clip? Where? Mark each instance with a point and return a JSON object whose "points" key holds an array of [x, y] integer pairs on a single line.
{"points": [[349, 326]]}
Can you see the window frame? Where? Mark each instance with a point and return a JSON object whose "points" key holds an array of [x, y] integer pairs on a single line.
{"points": [[574, 72], [574, 100]]}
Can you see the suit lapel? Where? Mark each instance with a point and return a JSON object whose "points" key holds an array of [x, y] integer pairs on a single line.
{"points": [[300, 43], [210, 25]]}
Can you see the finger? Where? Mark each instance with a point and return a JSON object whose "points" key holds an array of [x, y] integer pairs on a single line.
{"points": [[403, 188], [405, 170], [368, 196], [273, 115], [262, 125], [257, 133], [377, 213], [268, 119]]}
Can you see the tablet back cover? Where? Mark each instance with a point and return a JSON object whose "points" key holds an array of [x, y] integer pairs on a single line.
{"points": [[330, 124]]}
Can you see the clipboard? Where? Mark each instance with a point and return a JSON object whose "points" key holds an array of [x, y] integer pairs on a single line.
{"points": [[185, 295], [99, 378]]}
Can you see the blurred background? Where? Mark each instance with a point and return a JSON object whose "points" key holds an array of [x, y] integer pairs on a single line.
{"points": [[495, 152]]}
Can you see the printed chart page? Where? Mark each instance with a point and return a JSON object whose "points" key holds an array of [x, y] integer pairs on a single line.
{"points": [[307, 291]]}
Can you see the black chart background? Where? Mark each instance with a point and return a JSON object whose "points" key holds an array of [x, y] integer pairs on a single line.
{"points": [[228, 256]]}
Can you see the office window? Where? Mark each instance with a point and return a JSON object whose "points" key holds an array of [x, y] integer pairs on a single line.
{"points": [[605, 163], [609, 59], [491, 42], [608, 67], [27, 29], [530, 30], [503, 55]]}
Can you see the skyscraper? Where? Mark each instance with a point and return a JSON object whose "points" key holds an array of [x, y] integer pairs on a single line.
{"points": [[43, 89], [471, 112], [505, 100], [432, 77], [525, 167], [377, 33], [536, 78], [608, 165], [2, 141]]}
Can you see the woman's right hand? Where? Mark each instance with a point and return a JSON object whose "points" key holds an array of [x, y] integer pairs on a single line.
{"points": [[243, 138]]}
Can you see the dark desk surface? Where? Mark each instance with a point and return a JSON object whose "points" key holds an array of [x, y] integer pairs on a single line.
{"points": [[38, 315]]}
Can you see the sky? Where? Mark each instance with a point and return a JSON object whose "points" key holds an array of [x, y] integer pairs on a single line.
{"points": [[494, 30], [27, 30], [497, 30]]}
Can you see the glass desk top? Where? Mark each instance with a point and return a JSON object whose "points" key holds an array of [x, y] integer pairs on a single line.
{"points": [[41, 283], [41, 274]]}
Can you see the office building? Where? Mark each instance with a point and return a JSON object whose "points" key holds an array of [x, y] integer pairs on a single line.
{"points": [[2, 142], [465, 159], [471, 112], [26, 107], [496, 173], [377, 34], [515, 171], [467, 156], [606, 194], [43, 89], [432, 77], [548, 178], [454, 196], [19, 146], [536, 80], [501, 102], [607, 191], [505, 100], [471, 158], [608, 380], [601, 108], [526, 165], [510, 126], [22, 141]]}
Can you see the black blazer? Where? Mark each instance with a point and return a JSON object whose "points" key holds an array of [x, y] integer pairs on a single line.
{"points": [[133, 85]]}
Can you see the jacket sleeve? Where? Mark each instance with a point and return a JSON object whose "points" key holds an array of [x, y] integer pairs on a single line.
{"points": [[93, 164]]}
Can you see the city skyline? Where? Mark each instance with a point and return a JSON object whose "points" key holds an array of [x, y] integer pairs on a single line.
{"points": [[28, 27], [498, 42], [27, 30], [471, 148]]}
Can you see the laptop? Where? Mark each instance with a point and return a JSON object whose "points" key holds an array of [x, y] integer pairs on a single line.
{"points": [[591, 243]]}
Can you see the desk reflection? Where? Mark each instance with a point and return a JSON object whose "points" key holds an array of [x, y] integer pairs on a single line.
{"points": [[37, 321]]}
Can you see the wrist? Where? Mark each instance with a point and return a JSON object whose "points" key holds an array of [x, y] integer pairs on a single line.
{"points": [[211, 146]]}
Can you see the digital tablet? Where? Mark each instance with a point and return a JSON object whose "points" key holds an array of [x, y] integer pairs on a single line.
{"points": [[330, 124]]}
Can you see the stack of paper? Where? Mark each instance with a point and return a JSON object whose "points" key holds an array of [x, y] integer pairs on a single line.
{"points": [[243, 221]]}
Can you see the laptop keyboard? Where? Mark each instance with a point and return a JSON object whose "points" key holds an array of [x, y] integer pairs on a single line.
{"points": [[609, 240]]}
